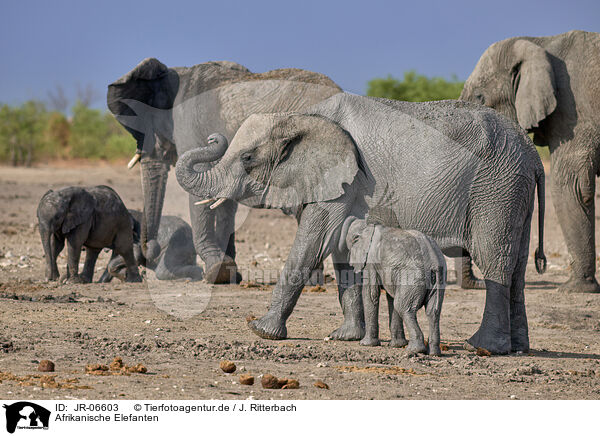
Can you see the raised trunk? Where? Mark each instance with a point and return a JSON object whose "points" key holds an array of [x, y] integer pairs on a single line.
{"points": [[194, 172], [154, 183]]}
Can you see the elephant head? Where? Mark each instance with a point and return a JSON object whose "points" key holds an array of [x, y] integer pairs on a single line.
{"points": [[281, 161], [516, 78]]}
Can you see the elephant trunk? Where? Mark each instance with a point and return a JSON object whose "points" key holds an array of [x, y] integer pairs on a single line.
{"points": [[154, 183], [194, 172]]}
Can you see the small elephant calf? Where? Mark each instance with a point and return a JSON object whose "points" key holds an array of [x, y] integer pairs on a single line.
{"points": [[411, 268], [177, 256], [92, 217]]}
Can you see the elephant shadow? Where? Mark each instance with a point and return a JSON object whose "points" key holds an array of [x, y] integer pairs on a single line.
{"points": [[549, 354]]}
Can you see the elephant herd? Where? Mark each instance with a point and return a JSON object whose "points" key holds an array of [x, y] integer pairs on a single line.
{"points": [[464, 173]]}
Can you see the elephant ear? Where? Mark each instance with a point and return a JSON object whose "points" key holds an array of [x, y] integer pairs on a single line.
{"points": [[314, 161], [361, 248], [148, 69], [534, 84], [80, 210]]}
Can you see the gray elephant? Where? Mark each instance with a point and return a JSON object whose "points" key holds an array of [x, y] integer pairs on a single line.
{"points": [[550, 86], [177, 259], [411, 268], [94, 218], [172, 110], [458, 172]]}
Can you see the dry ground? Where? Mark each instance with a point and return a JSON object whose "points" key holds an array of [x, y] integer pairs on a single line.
{"points": [[180, 331]]}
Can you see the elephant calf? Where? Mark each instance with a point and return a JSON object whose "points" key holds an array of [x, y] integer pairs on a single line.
{"points": [[177, 257], [412, 270], [92, 217]]}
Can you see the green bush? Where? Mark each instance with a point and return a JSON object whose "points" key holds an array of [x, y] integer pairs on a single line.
{"points": [[415, 87], [30, 133]]}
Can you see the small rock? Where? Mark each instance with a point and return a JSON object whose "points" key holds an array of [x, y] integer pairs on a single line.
{"points": [[250, 318], [321, 384], [269, 381], [227, 366], [247, 379], [46, 366], [291, 384]]}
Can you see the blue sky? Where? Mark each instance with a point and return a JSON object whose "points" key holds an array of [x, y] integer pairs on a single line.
{"points": [[46, 43]]}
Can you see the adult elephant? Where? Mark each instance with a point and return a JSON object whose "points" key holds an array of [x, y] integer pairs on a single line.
{"points": [[551, 87], [172, 110], [458, 172]]}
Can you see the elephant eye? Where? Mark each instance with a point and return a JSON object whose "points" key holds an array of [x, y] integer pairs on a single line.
{"points": [[246, 157]]}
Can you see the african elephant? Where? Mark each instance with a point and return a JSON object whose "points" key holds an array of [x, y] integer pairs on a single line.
{"points": [[458, 172], [177, 259], [93, 218], [411, 268], [172, 110], [551, 87]]}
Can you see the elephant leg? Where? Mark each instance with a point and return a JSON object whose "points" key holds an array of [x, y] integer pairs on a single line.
{"points": [[498, 261], [219, 267], [124, 248], [49, 243], [91, 255], [225, 233], [416, 340], [317, 224], [225, 227], [349, 294], [74, 245], [117, 267], [519, 330], [573, 199], [370, 297], [55, 246], [464, 274], [433, 309], [396, 325]]}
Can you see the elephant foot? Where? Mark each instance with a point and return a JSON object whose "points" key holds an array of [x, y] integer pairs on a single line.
{"points": [[222, 271], [471, 282], [434, 350], [75, 280], [519, 346], [268, 327], [134, 278], [398, 343], [415, 348], [370, 342], [585, 285], [349, 331], [495, 344]]}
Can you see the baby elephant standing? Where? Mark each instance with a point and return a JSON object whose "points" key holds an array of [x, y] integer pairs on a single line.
{"points": [[92, 217], [411, 268]]}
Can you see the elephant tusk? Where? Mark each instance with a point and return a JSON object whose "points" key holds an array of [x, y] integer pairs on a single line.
{"points": [[135, 159], [217, 203], [208, 200]]}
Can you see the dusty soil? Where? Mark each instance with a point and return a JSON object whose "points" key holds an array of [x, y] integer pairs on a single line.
{"points": [[181, 331]]}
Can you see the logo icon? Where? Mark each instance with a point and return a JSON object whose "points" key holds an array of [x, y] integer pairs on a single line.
{"points": [[26, 415]]}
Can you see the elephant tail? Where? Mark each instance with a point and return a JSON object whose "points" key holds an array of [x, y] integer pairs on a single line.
{"points": [[540, 258], [433, 305]]}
